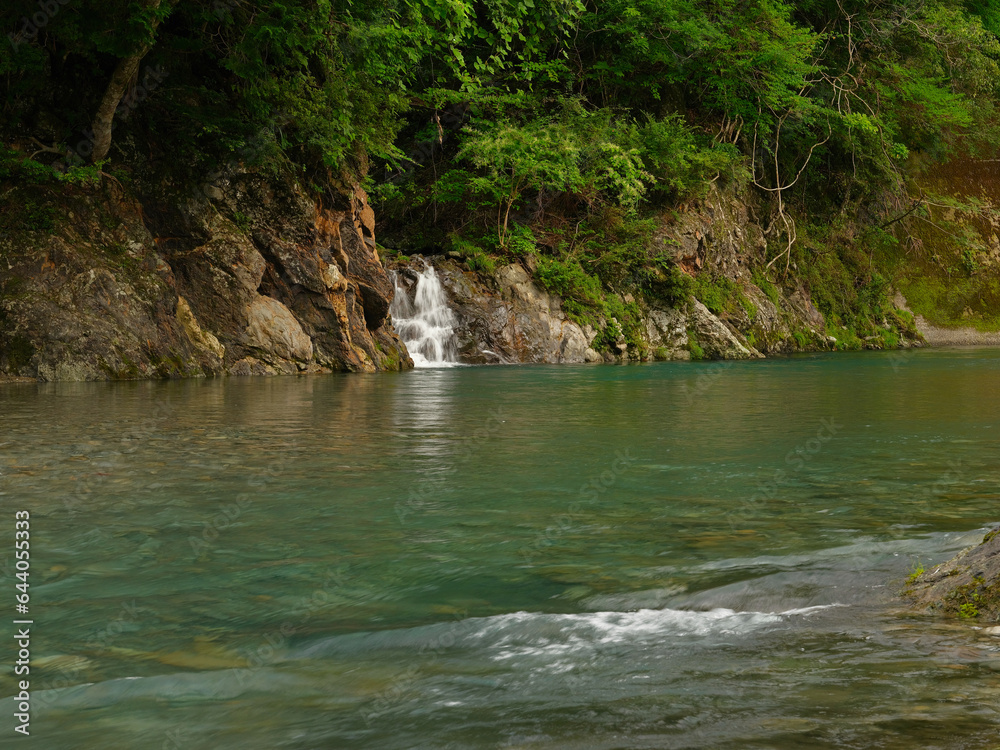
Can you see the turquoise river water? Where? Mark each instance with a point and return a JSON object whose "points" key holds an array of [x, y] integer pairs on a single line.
{"points": [[677, 555]]}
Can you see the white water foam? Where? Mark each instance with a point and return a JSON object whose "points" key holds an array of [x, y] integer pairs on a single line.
{"points": [[524, 634], [555, 642], [536, 634], [425, 323]]}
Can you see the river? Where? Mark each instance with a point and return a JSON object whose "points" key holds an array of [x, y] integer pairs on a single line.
{"points": [[673, 555]]}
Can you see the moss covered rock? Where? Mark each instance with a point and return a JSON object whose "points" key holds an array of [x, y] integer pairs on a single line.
{"points": [[967, 586]]}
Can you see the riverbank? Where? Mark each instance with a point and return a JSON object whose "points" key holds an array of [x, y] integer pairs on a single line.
{"points": [[251, 276], [687, 285]]}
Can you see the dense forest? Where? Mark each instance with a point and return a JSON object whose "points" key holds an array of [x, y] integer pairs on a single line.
{"points": [[559, 132]]}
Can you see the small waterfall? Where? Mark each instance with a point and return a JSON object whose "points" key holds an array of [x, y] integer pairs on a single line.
{"points": [[425, 323]]}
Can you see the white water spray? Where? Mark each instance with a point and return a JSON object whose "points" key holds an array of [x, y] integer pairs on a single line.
{"points": [[425, 324]]}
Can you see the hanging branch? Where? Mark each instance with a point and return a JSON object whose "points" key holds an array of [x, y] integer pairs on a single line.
{"points": [[790, 229], [917, 203]]}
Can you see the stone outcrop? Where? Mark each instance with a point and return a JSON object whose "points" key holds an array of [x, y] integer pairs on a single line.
{"points": [[249, 276], [505, 317], [967, 586]]}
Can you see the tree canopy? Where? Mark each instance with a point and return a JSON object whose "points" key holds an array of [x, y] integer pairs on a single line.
{"points": [[616, 101]]}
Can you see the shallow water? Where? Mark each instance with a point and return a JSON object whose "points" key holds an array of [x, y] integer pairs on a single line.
{"points": [[679, 555]]}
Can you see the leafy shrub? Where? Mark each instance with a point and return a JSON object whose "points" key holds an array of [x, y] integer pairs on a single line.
{"points": [[679, 166], [570, 281], [584, 154], [721, 295]]}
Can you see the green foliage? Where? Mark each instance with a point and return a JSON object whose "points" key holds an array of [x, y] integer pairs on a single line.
{"points": [[242, 221], [766, 286], [974, 598], [970, 261], [696, 351], [851, 284], [678, 164], [481, 261], [586, 155], [968, 611], [916, 571], [521, 241], [722, 296], [84, 174], [581, 292], [988, 12], [554, 130], [14, 165], [667, 95]]}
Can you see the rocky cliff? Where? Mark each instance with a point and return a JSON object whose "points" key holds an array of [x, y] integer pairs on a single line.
{"points": [[250, 275], [505, 314], [505, 317], [243, 276]]}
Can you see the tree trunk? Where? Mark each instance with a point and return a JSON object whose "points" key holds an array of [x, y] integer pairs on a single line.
{"points": [[125, 71], [104, 119]]}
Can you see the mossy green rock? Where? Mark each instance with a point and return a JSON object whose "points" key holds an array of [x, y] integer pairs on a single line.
{"points": [[967, 586]]}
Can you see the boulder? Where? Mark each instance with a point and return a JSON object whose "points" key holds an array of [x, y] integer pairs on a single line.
{"points": [[967, 586], [507, 318], [273, 329]]}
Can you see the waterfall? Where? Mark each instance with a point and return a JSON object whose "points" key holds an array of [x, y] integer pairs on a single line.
{"points": [[425, 323]]}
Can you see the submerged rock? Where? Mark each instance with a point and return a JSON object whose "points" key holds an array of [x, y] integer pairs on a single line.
{"points": [[967, 586]]}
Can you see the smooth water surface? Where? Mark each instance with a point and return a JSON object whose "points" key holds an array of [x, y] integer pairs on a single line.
{"points": [[679, 555]]}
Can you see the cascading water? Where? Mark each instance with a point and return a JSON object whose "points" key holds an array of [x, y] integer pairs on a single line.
{"points": [[425, 323]]}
